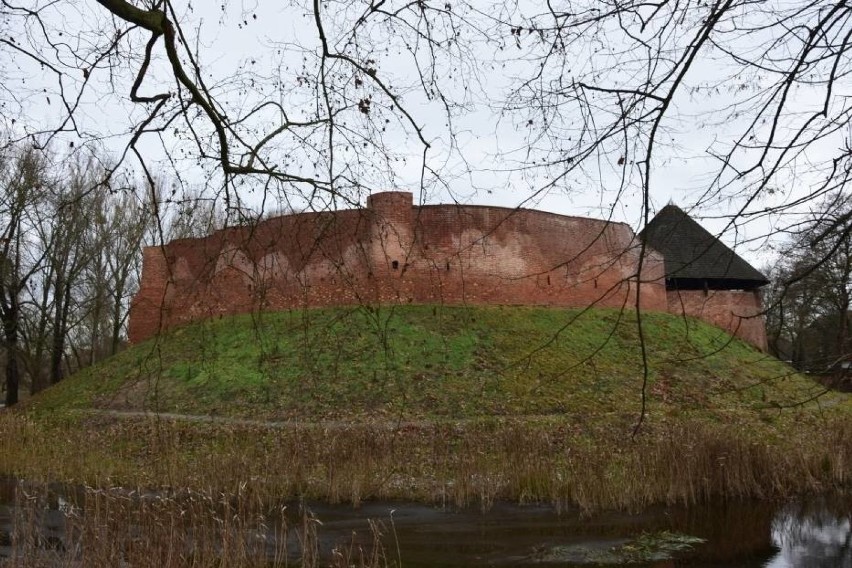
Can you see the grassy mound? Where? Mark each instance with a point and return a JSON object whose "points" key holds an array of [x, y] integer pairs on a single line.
{"points": [[422, 362], [450, 405]]}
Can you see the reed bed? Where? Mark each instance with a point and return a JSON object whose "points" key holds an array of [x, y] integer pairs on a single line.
{"points": [[682, 460], [76, 527]]}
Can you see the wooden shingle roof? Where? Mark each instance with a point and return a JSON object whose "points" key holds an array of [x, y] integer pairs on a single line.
{"points": [[692, 254]]}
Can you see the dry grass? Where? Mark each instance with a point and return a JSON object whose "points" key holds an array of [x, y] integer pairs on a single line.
{"points": [[684, 459]]}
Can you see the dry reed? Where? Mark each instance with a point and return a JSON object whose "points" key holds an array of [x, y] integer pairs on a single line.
{"points": [[116, 527], [474, 463]]}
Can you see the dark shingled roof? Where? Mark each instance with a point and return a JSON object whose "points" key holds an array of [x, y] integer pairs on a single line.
{"points": [[693, 255]]}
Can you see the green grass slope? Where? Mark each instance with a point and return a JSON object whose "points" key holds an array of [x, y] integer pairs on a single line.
{"points": [[450, 405], [422, 362]]}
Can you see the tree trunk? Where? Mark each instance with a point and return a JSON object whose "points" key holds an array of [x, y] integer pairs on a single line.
{"points": [[13, 372], [58, 344], [13, 379], [118, 313]]}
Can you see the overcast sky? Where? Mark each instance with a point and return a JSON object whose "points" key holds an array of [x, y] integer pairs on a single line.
{"points": [[251, 52]]}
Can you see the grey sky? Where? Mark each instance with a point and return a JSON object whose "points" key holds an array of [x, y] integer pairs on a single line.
{"points": [[250, 52]]}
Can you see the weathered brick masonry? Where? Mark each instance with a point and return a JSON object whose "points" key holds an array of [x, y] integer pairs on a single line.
{"points": [[395, 252], [740, 312]]}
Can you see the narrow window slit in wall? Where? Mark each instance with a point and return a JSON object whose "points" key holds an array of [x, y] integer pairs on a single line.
{"points": [[395, 265], [548, 279], [448, 266]]}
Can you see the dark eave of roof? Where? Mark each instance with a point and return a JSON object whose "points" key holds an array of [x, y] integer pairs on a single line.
{"points": [[693, 253]]}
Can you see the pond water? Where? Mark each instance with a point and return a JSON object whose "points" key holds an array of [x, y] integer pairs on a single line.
{"points": [[813, 533]]}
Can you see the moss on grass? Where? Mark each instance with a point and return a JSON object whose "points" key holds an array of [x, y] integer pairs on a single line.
{"points": [[430, 361]]}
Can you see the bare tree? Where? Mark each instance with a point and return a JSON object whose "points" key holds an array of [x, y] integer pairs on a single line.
{"points": [[21, 180], [790, 302], [810, 302], [615, 89], [328, 117], [120, 233], [606, 92], [71, 255], [193, 214]]}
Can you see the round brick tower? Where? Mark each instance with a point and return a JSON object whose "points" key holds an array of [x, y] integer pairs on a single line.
{"points": [[392, 231]]}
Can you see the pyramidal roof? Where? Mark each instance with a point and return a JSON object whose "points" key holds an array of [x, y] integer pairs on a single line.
{"points": [[692, 252]]}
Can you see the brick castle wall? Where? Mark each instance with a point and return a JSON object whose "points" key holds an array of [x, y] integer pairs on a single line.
{"points": [[739, 312], [392, 252]]}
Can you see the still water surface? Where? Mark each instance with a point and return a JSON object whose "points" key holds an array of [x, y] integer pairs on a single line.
{"points": [[815, 533]]}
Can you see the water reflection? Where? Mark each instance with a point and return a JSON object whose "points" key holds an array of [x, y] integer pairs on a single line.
{"points": [[816, 533], [813, 536]]}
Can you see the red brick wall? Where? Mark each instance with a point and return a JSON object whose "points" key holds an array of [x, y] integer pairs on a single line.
{"points": [[147, 307], [737, 312], [394, 252]]}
